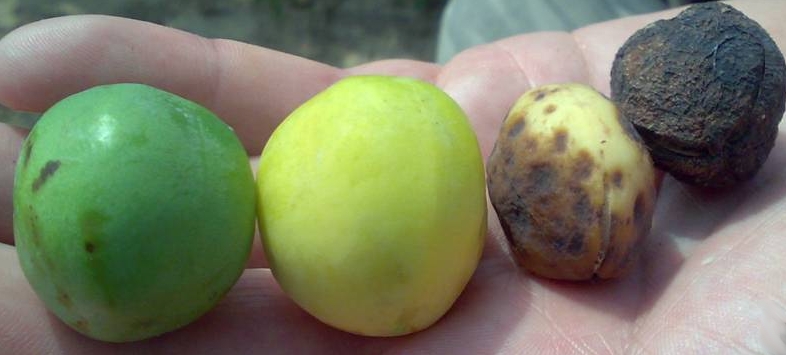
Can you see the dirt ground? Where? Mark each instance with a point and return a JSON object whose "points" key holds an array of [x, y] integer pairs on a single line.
{"points": [[337, 32]]}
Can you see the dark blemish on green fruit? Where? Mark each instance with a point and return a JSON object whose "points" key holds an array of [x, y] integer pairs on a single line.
{"points": [[32, 219], [64, 299], [540, 95], [92, 224], [46, 172], [550, 109], [27, 151], [82, 325]]}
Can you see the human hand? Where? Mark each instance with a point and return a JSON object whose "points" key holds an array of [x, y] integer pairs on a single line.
{"points": [[709, 279]]}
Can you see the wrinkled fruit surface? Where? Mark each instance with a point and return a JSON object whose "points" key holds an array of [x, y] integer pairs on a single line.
{"points": [[706, 92], [133, 211], [571, 183], [372, 204]]}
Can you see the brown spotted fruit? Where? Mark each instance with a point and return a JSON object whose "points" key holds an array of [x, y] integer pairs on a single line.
{"points": [[572, 184], [134, 211]]}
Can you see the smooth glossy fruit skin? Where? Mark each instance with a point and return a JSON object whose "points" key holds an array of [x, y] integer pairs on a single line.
{"points": [[134, 211], [372, 204]]}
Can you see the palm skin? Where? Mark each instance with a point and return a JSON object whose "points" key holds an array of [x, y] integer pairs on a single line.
{"points": [[710, 279]]}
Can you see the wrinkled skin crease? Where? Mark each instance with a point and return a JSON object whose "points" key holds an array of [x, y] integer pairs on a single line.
{"points": [[706, 282]]}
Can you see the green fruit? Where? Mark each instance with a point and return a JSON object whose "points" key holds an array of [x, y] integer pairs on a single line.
{"points": [[133, 211], [372, 204]]}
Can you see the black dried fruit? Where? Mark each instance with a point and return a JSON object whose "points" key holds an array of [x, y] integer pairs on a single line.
{"points": [[706, 92]]}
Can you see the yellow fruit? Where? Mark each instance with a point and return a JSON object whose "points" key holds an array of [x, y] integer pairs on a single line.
{"points": [[372, 204], [572, 184]]}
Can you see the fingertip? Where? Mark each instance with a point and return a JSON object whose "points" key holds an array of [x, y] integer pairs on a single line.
{"points": [[27, 60], [398, 67]]}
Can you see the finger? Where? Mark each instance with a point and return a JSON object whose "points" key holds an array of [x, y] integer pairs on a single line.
{"points": [[487, 80], [10, 141], [250, 87], [398, 67]]}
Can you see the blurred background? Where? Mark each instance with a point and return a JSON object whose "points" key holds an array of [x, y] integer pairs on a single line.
{"points": [[341, 33]]}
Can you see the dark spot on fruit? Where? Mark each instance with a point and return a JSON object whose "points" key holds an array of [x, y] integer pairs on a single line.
{"points": [[92, 225], [584, 165], [558, 244], [576, 245], [540, 178], [515, 220], [554, 90], [529, 144], [46, 172], [616, 178], [508, 157], [540, 95], [64, 299], [561, 140], [582, 208], [82, 325], [639, 208], [516, 129], [550, 109], [32, 220], [27, 152]]}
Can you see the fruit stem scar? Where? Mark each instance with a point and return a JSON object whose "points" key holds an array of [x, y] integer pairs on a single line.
{"points": [[47, 171]]}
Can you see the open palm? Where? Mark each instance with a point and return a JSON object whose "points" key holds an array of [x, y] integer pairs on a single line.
{"points": [[710, 280]]}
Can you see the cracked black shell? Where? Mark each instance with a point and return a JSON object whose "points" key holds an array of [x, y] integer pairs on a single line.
{"points": [[705, 90]]}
